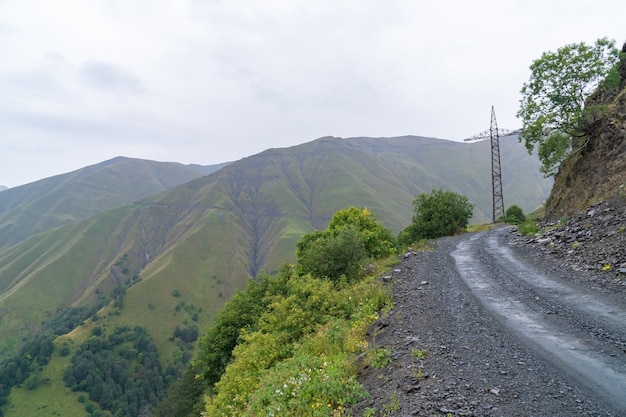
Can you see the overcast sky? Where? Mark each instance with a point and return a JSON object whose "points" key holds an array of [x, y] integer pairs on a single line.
{"points": [[208, 81]]}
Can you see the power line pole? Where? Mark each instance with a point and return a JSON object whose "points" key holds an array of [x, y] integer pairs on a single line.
{"points": [[496, 173]]}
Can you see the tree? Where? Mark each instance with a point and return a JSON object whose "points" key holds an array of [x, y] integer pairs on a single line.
{"points": [[552, 107], [439, 213], [332, 255], [353, 235], [515, 215]]}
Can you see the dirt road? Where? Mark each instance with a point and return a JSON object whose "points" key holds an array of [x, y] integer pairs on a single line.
{"points": [[500, 334]]}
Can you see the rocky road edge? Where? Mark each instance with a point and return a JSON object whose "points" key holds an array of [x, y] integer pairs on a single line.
{"points": [[450, 358]]}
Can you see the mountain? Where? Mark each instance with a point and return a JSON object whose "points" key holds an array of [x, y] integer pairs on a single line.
{"points": [[3, 188], [173, 259], [63, 199], [209, 235]]}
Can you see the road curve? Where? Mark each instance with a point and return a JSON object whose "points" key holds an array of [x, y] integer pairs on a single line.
{"points": [[579, 331]]}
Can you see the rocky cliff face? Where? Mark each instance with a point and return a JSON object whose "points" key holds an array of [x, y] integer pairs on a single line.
{"points": [[597, 169]]}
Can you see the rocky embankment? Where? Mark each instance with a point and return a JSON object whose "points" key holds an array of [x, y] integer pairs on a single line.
{"points": [[594, 242], [450, 357]]}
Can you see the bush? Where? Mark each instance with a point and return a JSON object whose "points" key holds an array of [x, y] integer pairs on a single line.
{"points": [[301, 361], [379, 241], [515, 215], [332, 255], [352, 236], [439, 213]]}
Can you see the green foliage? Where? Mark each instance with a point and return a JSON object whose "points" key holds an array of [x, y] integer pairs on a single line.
{"points": [[184, 396], [515, 215], [369, 412], [439, 213], [302, 357], [187, 334], [419, 353], [239, 314], [393, 405], [15, 370], [379, 241], [121, 373], [331, 255], [379, 357], [352, 236], [307, 384], [528, 227], [552, 107]]}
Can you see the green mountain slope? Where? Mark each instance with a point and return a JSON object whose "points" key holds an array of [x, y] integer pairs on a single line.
{"points": [[63, 199], [186, 251]]}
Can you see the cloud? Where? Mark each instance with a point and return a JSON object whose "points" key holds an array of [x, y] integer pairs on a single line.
{"points": [[104, 76], [207, 81]]}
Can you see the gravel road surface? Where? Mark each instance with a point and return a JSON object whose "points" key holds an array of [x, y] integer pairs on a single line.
{"points": [[485, 326]]}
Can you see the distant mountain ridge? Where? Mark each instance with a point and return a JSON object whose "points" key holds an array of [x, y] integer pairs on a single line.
{"points": [[205, 238], [173, 259], [63, 199]]}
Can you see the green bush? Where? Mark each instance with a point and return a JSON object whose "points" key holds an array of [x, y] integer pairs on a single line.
{"points": [[379, 241], [332, 255], [439, 213], [352, 236], [302, 358], [239, 314], [515, 215], [528, 227]]}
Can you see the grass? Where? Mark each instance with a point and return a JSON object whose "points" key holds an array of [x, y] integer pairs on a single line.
{"points": [[378, 358], [528, 227], [50, 398], [393, 405], [480, 227], [419, 353]]}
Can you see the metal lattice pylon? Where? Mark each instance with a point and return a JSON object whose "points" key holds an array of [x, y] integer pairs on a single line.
{"points": [[493, 134], [496, 172]]}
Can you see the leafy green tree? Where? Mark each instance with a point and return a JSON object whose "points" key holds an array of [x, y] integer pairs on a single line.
{"points": [[332, 255], [515, 215], [438, 213], [552, 107], [378, 240], [353, 235]]}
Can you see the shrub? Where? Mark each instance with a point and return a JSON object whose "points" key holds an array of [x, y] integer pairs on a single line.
{"points": [[439, 213], [332, 255], [379, 241], [302, 358], [352, 236], [515, 215], [528, 228]]}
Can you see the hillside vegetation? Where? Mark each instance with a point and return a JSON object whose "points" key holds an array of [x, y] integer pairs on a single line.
{"points": [[169, 263], [207, 237], [63, 199], [289, 343], [596, 169]]}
